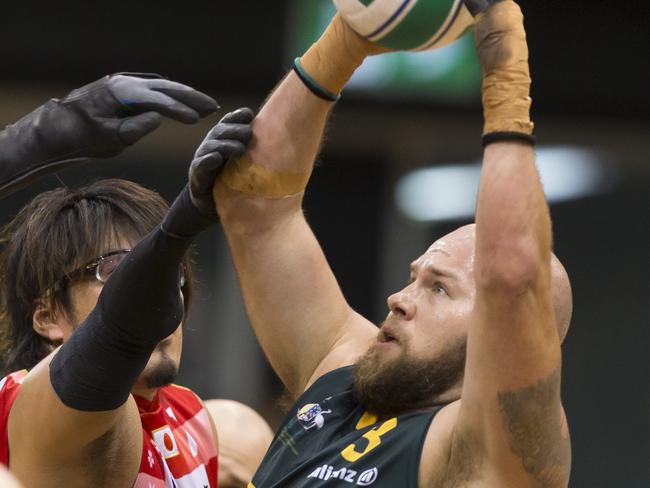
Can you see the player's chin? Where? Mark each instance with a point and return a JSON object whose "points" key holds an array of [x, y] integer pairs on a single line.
{"points": [[161, 370]]}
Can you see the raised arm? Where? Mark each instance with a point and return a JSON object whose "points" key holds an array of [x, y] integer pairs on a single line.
{"points": [[74, 409], [296, 307], [510, 405]]}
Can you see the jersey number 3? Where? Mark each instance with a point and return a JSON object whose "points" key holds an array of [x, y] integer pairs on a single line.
{"points": [[373, 437]]}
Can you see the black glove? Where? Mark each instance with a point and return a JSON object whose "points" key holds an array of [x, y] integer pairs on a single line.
{"points": [[194, 209], [97, 120]]}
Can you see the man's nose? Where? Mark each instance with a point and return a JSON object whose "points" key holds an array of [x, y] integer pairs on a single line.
{"points": [[402, 303]]}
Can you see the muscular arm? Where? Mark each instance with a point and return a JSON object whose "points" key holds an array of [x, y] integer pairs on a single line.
{"points": [[299, 314], [510, 404], [292, 298]]}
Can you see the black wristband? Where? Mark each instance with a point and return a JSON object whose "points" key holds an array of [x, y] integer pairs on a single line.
{"points": [[183, 219], [312, 85], [507, 136]]}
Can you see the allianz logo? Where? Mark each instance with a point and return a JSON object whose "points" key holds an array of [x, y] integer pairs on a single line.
{"points": [[327, 472]]}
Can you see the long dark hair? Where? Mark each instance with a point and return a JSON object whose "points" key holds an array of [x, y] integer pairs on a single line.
{"points": [[55, 234]]}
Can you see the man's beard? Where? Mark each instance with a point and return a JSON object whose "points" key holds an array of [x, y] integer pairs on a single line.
{"points": [[388, 387], [163, 372]]}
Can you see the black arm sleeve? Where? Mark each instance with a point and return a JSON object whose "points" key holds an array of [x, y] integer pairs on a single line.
{"points": [[28, 150], [139, 306]]}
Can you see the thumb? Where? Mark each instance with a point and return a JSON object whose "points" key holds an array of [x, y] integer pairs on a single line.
{"points": [[134, 128]]}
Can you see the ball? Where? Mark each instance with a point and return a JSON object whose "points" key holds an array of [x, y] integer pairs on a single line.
{"points": [[407, 25]]}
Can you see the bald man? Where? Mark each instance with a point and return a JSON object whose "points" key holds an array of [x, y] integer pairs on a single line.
{"points": [[244, 437], [460, 386]]}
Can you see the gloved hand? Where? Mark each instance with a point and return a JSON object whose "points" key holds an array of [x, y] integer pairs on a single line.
{"points": [[98, 120], [194, 209]]}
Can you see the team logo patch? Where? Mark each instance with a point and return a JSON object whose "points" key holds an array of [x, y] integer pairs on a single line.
{"points": [[312, 415], [166, 442]]}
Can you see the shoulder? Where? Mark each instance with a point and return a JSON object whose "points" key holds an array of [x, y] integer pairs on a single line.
{"points": [[12, 381], [244, 437], [446, 456], [330, 382], [9, 387]]}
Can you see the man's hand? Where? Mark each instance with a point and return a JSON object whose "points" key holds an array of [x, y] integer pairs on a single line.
{"points": [[100, 119], [194, 209], [228, 139]]}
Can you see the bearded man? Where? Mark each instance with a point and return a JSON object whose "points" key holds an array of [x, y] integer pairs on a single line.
{"points": [[461, 385]]}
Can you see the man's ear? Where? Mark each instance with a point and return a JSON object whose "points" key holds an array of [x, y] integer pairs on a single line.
{"points": [[47, 323]]}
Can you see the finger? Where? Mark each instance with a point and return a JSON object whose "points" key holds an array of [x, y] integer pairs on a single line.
{"points": [[145, 100], [200, 102], [134, 128], [242, 115], [238, 132], [204, 171], [227, 148]]}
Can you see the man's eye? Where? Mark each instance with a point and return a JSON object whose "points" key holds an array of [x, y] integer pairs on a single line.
{"points": [[438, 288]]}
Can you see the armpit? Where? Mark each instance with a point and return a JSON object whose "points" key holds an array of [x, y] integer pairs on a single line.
{"points": [[537, 430]]}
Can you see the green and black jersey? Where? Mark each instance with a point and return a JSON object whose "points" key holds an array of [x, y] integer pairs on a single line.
{"points": [[328, 440]]}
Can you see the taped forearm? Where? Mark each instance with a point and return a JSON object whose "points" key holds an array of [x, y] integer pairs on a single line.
{"points": [[330, 62], [503, 53], [247, 177], [139, 306]]}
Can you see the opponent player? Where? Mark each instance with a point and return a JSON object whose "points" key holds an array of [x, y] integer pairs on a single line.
{"points": [[94, 269], [461, 384]]}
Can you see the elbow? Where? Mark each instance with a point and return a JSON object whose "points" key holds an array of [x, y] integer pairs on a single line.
{"points": [[513, 267]]}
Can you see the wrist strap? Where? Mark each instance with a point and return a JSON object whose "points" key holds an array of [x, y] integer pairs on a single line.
{"points": [[312, 84], [507, 136]]}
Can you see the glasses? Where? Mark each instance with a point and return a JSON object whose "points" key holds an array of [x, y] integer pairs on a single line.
{"points": [[102, 267]]}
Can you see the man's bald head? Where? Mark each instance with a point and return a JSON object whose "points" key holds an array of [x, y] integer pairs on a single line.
{"points": [[462, 240]]}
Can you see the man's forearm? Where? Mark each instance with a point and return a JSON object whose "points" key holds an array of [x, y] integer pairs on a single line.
{"points": [[289, 128], [512, 218], [513, 227]]}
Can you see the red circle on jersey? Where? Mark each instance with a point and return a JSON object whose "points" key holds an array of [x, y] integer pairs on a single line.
{"points": [[167, 440]]}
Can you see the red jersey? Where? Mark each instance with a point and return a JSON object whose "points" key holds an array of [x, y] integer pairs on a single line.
{"points": [[178, 449]]}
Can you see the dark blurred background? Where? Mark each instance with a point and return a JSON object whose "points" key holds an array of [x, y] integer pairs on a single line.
{"points": [[589, 62]]}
